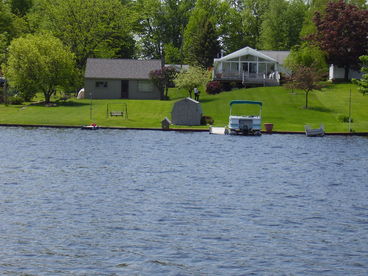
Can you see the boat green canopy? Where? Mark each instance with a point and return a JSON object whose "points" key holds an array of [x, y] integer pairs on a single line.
{"points": [[244, 102]]}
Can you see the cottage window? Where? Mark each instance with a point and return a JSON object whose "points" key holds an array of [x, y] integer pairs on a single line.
{"points": [[145, 86], [248, 58], [101, 84]]}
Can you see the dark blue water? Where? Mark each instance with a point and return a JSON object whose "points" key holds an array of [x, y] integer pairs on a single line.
{"points": [[108, 202]]}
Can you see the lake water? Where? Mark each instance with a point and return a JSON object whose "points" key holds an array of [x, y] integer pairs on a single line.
{"points": [[112, 202]]}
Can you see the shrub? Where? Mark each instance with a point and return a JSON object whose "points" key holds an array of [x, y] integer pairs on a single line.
{"points": [[226, 86], [213, 87], [16, 100], [207, 120], [344, 119]]}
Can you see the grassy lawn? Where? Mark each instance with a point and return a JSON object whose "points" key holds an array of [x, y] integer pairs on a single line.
{"points": [[286, 110], [280, 107]]}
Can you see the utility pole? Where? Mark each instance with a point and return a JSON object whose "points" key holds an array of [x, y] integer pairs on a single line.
{"points": [[6, 93], [90, 107], [350, 112]]}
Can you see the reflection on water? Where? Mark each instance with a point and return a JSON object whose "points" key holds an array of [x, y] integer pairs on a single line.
{"points": [[111, 202]]}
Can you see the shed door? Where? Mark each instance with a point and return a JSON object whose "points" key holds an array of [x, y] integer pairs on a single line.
{"points": [[125, 89]]}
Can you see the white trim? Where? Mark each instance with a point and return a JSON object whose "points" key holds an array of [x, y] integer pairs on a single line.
{"points": [[243, 52]]}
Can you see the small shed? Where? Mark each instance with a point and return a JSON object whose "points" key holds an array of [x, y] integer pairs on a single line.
{"points": [[186, 112]]}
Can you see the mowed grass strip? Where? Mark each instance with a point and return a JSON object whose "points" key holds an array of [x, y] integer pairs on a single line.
{"points": [[280, 106]]}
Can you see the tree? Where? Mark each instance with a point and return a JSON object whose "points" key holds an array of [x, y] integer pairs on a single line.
{"points": [[161, 27], [87, 27], [193, 77], [342, 32], [307, 79], [21, 7], [39, 63], [306, 55], [363, 82], [313, 6], [253, 16], [6, 29], [282, 24], [202, 34], [202, 44], [163, 78]]}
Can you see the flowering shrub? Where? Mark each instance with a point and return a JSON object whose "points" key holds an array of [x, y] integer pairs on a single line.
{"points": [[213, 87], [207, 120]]}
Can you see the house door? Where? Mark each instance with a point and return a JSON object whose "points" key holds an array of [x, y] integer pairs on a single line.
{"points": [[125, 89], [245, 67], [253, 67]]}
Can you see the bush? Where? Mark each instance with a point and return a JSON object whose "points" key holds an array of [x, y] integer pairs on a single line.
{"points": [[344, 119], [207, 120], [16, 100], [226, 86], [213, 87]]}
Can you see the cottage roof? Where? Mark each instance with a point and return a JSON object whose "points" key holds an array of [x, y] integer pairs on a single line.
{"points": [[243, 52], [274, 56], [120, 68]]}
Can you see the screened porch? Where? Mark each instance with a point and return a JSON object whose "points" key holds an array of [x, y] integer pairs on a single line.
{"points": [[248, 66]]}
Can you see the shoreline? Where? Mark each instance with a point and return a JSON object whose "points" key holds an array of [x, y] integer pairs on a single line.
{"points": [[183, 129]]}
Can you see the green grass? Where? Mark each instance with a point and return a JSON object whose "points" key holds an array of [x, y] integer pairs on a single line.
{"points": [[280, 107], [286, 110]]}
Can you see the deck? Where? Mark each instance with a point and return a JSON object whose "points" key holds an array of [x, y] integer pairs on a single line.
{"points": [[246, 78]]}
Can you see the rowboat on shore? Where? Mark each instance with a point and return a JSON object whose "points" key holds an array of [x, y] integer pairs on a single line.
{"points": [[91, 127], [314, 132]]}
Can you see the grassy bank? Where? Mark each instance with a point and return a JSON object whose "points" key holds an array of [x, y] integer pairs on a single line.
{"points": [[282, 108]]}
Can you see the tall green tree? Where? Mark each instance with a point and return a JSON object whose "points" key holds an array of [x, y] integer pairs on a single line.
{"points": [[21, 7], [39, 63], [282, 24], [6, 30], [363, 82], [203, 33], [313, 6], [161, 26], [202, 44], [306, 55], [342, 33], [88, 27], [252, 17]]}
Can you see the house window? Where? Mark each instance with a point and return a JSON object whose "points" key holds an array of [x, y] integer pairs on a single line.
{"points": [[145, 86], [248, 58], [101, 84]]}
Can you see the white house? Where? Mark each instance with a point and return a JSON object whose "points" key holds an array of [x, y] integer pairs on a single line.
{"points": [[338, 74], [251, 67]]}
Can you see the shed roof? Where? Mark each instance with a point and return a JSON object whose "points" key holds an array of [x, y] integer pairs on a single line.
{"points": [[188, 99], [120, 68]]}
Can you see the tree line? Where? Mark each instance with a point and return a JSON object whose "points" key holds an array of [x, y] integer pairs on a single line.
{"points": [[180, 31]]}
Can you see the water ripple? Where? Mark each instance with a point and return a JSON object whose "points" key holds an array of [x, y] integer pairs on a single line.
{"points": [[162, 203]]}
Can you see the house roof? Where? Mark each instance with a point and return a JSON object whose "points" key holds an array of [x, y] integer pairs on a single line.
{"points": [[243, 52], [120, 68], [280, 56], [274, 56]]}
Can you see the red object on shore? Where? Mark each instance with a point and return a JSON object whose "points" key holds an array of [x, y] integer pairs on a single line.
{"points": [[268, 127]]}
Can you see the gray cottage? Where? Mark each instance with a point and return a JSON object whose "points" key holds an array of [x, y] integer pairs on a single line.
{"points": [[187, 112], [121, 79]]}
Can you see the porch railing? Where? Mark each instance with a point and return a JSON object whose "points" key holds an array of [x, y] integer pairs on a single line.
{"points": [[246, 77]]}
